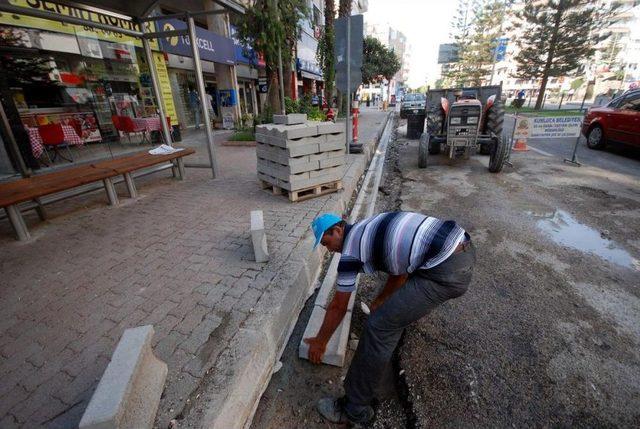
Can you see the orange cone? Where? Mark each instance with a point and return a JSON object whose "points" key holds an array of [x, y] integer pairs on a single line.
{"points": [[520, 145]]}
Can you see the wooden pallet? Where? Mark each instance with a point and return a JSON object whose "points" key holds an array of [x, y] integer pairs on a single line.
{"points": [[306, 193]]}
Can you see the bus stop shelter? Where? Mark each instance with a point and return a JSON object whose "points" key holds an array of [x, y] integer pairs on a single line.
{"points": [[133, 19]]}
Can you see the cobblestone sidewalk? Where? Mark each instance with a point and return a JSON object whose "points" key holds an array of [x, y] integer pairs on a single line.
{"points": [[179, 257]]}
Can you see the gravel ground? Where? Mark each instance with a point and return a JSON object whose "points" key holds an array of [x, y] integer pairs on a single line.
{"points": [[549, 330], [548, 333]]}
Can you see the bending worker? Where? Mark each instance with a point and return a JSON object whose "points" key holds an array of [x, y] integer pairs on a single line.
{"points": [[429, 261]]}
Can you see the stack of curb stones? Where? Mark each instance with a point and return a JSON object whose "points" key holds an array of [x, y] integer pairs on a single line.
{"points": [[301, 158]]}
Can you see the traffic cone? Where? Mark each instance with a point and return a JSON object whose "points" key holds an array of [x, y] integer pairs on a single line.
{"points": [[520, 145]]}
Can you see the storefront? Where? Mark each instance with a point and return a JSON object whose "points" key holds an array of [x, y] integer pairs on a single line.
{"points": [[248, 67], [77, 76], [308, 71], [214, 48]]}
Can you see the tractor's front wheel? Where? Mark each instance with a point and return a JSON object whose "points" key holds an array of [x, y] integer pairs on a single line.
{"points": [[499, 154], [423, 150]]}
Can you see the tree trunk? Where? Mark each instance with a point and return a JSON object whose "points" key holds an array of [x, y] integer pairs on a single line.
{"points": [[550, 55], [287, 76], [345, 8], [273, 94]]}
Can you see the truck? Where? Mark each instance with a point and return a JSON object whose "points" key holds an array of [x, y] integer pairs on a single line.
{"points": [[463, 121]]}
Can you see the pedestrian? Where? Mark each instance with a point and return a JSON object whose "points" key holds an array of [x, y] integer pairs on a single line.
{"points": [[194, 105], [428, 261]]}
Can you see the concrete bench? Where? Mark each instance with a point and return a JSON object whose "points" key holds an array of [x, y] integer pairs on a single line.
{"points": [[32, 188], [130, 388]]}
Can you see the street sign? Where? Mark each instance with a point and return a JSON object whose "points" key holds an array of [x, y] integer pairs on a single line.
{"points": [[263, 87], [501, 48], [547, 127], [448, 53], [356, 38]]}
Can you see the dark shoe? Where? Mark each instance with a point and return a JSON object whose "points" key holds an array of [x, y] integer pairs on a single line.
{"points": [[334, 411]]}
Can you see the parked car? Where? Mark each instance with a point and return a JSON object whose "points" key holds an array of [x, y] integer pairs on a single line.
{"points": [[617, 121], [412, 103]]}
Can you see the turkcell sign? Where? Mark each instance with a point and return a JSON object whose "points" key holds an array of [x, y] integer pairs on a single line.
{"points": [[212, 47]]}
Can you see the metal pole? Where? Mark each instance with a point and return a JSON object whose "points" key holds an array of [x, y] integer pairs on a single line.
{"points": [[574, 159], [13, 146], [280, 74], [348, 83], [156, 89], [202, 93], [561, 98]]}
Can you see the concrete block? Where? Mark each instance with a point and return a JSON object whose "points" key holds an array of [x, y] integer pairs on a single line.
{"points": [[333, 162], [332, 172], [259, 236], [290, 119], [129, 391], [333, 144], [291, 169], [280, 141], [280, 171], [337, 345], [331, 128], [262, 138]]}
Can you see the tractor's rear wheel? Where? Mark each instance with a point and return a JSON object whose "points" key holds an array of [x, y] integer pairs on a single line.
{"points": [[434, 148], [495, 120], [423, 150], [435, 120], [499, 153]]}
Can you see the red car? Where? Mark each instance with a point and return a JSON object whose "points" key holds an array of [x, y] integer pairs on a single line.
{"points": [[618, 121]]}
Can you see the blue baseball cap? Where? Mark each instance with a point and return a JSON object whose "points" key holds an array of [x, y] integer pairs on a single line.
{"points": [[322, 223]]}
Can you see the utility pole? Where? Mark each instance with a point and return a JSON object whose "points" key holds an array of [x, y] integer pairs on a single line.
{"points": [[280, 77]]}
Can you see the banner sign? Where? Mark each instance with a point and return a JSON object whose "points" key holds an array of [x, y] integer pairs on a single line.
{"points": [[528, 127], [165, 87], [77, 12], [213, 47]]}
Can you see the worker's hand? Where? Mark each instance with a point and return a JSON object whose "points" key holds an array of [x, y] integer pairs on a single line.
{"points": [[317, 347]]}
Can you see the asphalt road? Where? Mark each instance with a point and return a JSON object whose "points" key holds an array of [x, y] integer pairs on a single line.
{"points": [[549, 331]]}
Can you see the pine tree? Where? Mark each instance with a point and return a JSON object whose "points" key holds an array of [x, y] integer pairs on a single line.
{"points": [[556, 37], [462, 26], [478, 56]]}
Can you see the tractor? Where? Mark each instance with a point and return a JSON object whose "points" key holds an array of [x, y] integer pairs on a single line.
{"points": [[463, 121]]}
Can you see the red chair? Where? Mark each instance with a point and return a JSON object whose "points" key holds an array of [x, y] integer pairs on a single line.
{"points": [[128, 127], [52, 136]]}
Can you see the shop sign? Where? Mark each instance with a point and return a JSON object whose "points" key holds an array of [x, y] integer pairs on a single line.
{"points": [[245, 54], [212, 47], [263, 87], [77, 12], [165, 87]]}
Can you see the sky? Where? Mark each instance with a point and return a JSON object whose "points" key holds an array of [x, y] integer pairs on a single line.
{"points": [[426, 23]]}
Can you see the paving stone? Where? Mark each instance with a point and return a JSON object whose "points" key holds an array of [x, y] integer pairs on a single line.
{"points": [[121, 265], [290, 119]]}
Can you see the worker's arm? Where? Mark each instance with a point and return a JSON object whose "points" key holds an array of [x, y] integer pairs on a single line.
{"points": [[393, 284], [332, 318]]}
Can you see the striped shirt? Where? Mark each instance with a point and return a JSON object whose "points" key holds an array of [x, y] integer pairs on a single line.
{"points": [[396, 243]]}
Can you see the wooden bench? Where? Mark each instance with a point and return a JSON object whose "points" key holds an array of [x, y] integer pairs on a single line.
{"points": [[32, 188]]}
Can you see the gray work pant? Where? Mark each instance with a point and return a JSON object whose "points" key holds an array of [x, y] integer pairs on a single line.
{"points": [[423, 291]]}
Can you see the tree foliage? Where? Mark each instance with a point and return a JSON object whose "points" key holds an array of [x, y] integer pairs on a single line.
{"points": [[325, 54], [557, 37], [265, 28], [477, 28], [378, 61]]}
